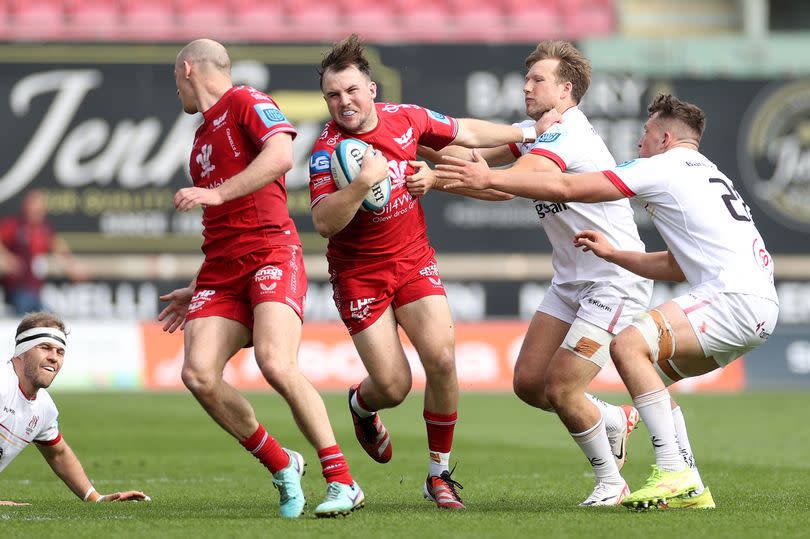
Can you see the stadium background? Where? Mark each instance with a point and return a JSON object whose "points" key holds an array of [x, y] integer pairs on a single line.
{"points": [[90, 115]]}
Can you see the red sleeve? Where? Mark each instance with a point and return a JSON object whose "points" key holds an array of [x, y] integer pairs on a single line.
{"points": [[436, 129], [50, 442], [550, 155], [513, 147], [620, 185], [321, 182], [259, 116]]}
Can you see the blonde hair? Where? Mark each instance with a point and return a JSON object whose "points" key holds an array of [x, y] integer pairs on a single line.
{"points": [[573, 66]]}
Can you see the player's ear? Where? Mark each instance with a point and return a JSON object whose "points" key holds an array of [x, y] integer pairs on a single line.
{"points": [[186, 68], [372, 89]]}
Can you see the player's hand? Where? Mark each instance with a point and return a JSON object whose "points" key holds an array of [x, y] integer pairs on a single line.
{"points": [[9, 502], [190, 197], [422, 180], [174, 315], [128, 496], [464, 174], [549, 118], [374, 168], [591, 240]]}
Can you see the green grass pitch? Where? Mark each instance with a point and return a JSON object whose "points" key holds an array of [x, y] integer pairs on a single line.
{"points": [[522, 474]]}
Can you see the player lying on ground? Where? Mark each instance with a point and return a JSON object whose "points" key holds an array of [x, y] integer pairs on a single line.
{"points": [[28, 414]]}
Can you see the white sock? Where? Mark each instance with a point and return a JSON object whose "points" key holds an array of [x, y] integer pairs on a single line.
{"points": [[595, 445], [614, 417], [359, 410], [685, 448], [655, 410], [439, 462]]}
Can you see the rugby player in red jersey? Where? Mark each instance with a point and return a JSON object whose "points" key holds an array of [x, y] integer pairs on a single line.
{"points": [[382, 267], [251, 286]]}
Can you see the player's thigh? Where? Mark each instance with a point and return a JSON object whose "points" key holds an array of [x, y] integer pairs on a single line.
{"points": [[276, 334], [542, 340], [583, 353], [429, 325], [209, 343], [381, 350]]}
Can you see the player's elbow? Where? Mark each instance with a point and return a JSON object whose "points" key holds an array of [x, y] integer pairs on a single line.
{"points": [[322, 225]]}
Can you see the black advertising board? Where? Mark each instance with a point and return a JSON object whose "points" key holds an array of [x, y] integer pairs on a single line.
{"points": [[99, 128]]}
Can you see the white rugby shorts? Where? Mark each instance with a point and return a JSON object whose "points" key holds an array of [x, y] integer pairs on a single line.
{"points": [[610, 305], [728, 324]]}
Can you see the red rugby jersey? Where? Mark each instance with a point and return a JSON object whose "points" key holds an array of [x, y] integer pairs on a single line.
{"points": [[401, 224], [230, 137]]}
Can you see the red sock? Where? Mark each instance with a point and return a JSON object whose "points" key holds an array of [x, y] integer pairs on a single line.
{"points": [[440, 429], [335, 467], [266, 448]]}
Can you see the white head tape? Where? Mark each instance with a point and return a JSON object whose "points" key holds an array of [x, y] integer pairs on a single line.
{"points": [[34, 336]]}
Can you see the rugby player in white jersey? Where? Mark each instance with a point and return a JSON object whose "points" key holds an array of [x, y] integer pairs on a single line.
{"points": [[589, 300], [28, 414], [713, 244]]}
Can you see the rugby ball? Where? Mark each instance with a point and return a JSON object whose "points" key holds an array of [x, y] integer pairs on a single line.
{"points": [[346, 162]]}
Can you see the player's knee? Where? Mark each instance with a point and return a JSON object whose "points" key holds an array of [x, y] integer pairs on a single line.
{"points": [[441, 366], [627, 347], [557, 392], [200, 382], [530, 389], [395, 391]]}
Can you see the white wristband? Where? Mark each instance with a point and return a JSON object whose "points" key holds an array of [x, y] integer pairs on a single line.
{"points": [[529, 134], [88, 493]]}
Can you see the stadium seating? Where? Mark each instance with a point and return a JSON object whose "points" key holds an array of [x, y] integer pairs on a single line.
{"points": [[377, 21]]}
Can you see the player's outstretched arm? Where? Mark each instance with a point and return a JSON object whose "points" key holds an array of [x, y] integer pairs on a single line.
{"points": [[553, 185], [424, 179], [659, 266], [66, 465], [332, 213], [275, 160]]}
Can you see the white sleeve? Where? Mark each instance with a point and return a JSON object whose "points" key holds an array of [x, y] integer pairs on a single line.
{"points": [[639, 177], [556, 144]]}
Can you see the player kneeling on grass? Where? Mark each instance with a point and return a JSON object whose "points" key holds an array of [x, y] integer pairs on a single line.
{"points": [[28, 413], [713, 244]]}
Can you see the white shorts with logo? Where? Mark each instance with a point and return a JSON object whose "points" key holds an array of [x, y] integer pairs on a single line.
{"points": [[610, 305], [728, 324]]}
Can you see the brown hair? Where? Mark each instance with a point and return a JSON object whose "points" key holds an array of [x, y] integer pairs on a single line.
{"points": [[40, 319], [345, 54], [670, 107], [573, 66]]}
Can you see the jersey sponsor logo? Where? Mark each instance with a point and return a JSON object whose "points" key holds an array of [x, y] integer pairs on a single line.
{"points": [[773, 152], [599, 305], [267, 287], [360, 309], [204, 160], [323, 180], [258, 96], [200, 299], [218, 121], [319, 162], [32, 425], [232, 143], [268, 272], [431, 269], [545, 208], [548, 137], [269, 114], [438, 116], [397, 173], [406, 139]]}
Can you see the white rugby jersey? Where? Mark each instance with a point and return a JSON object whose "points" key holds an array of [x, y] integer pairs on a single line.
{"points": [[575, 146], [703, 220], [23, 421]]}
